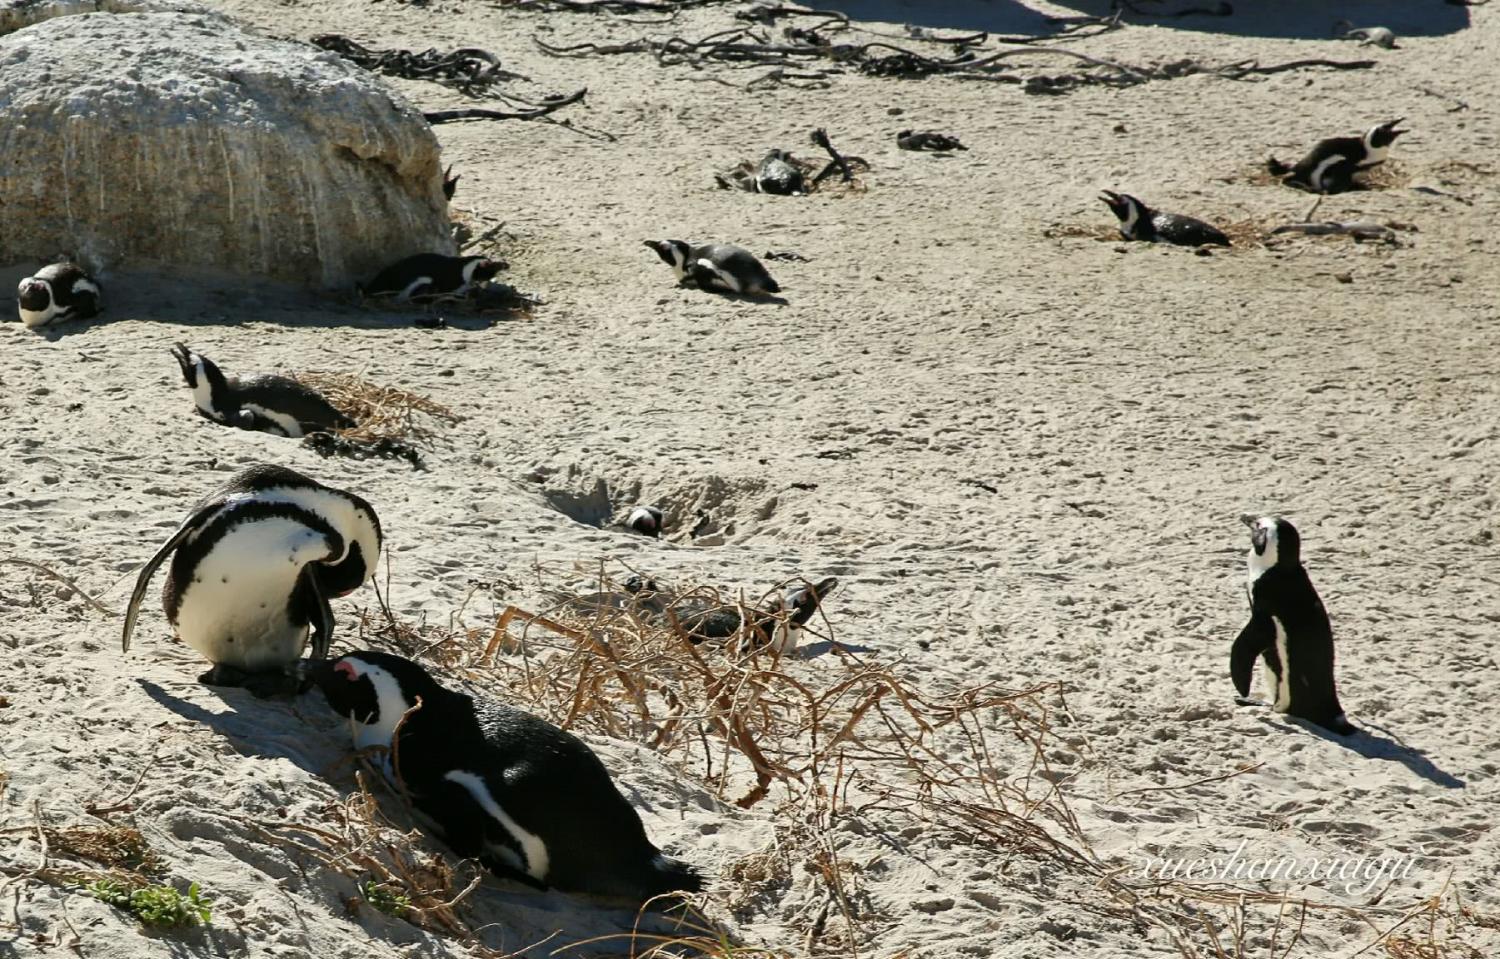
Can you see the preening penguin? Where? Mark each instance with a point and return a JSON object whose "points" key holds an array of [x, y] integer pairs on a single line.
{"points": [[1330, 165], [1288, 629], [264, 402], [646, 520], [778, 175], [58, 291], [527, 799], [1139, 222], [776, 626], [716, 266], [253, 567], [429, 275]]}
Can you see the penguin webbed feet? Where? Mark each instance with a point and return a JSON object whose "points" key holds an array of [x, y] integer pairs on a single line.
{"points": [[262, 685], [1247, 701]]}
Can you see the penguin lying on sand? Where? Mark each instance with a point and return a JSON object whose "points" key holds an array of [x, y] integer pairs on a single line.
{"points": [[429, 275], [527, 799], [264, 402], [928, 140], [777, 626], [1288, 629], [1139, 222], [252, 569], [1330, 165], [716, 266], [56, 292], [646, 520], [778, 175]]}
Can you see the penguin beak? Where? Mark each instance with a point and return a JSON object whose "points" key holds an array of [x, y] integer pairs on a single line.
{"points": [[1249, 519], [1110, 197], [1391, 127]]}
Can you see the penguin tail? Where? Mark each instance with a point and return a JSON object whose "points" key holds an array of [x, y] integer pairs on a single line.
{"points": [[665, 875], [1276, 168], [771, 286]]}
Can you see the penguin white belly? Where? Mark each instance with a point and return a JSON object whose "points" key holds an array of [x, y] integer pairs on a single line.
{"points": [[532, 847], [284, 422], [1315, 179], [721, 277], [35, 318], [235, 609], [1282, 685]]}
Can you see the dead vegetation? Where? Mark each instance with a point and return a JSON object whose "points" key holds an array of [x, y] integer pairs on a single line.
{"points": [[1247, 233], [391, 423]]}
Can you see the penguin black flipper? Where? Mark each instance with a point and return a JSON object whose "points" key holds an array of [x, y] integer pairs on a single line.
{"points": [[1257, 637], [319, 612], [143, 581]]}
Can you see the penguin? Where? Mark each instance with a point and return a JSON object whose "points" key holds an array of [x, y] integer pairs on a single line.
{"points": [[1139, 222], [429, 275], [776, 626], [716, 266], [637, 594], [58, 291], [264, 402], [646, 520], [778, 175], [1288, 629], [253, 567], [1330, 165], [928, 140], [530, 801]]}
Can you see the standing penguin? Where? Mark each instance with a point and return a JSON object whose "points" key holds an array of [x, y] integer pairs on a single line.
{"points": [[1330, 165], [252, 568], [58, 291], [777, 626], [778, 175], [716, 266], [527, 799], [1288, 629], [264, 402], [1139, 222], [429, 275]]}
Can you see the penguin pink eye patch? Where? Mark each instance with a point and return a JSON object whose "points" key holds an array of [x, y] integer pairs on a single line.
{"points": [[346, 669]]}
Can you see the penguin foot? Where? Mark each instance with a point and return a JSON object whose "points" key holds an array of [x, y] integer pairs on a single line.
{"points": [[1247, 701], [261, 685]]}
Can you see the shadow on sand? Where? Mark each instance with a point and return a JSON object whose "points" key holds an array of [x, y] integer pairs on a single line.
{"points": [[1372, 746]]}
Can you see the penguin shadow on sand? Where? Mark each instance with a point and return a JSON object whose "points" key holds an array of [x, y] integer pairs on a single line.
{"points": [[1373, 746]]}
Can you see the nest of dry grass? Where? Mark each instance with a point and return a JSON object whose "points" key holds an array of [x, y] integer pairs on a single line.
{"points": [[381, 412], [741, 176]]}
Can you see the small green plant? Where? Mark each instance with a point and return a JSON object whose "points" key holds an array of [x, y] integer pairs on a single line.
{"points": [[391, 903], [161, 906]]}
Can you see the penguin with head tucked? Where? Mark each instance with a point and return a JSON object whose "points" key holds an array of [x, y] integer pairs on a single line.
{"points": [[59, 291], [1288, 630], [253, 568], [530, 801]]}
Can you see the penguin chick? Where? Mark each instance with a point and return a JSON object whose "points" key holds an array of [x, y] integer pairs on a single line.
{"points": [[58, 291], [264, 402], [777, 625], [429, 275], [646, 520], [528, 800], [1329, 167], [928, 140], [1288, 629], [253, 566], [1140, 222], [777, 175], [716, 266]]}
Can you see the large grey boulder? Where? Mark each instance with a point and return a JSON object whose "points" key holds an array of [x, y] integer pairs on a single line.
{"points": [[15, 14], [177, 139]]}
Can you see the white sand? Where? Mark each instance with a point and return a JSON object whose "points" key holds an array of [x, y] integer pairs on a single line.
{"points": [[1125, 403]]}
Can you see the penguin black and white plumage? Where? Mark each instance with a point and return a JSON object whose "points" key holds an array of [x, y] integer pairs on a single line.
{"points": [[928, 140], [56, 292], [716, 266], [1288, 629], [778, 175], [428, 275], [1329, 167], [253, 567], [776, 626], [646, 520], [1139, 222], [263, 402], [528, 800]]}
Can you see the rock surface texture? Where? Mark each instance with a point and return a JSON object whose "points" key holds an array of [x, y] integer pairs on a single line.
{"points": [[178, 139]]}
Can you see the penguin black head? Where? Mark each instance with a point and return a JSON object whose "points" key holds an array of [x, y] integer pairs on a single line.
{"points": [[373, 689], [801, 602], [674, 253], [349, 573], [1130, 211], [1384, 135], [637, 585], [210, 388], [1273, 542], [34, 295], [479, 269], [646, 520]]}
